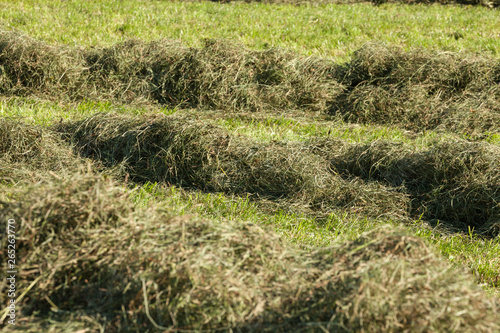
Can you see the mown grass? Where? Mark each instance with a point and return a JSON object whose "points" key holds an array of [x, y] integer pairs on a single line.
{"points": [[263, 127], [99, 248], [292, 128], [324, 30], [417, 90], [102, 262], [476, 254], [306, 230]]}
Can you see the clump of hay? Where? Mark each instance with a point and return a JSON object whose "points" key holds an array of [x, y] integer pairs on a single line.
{"points": [[98, 260], [420, 90], [228, 77], [457, 182], [454, 182], [18, 141], [390, 281], [181, 151], [27, 150], [28, 66]]}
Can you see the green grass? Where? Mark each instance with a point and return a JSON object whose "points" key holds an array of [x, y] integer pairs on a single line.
{"points": [[43, 112], [325, 30], [286, 128]]}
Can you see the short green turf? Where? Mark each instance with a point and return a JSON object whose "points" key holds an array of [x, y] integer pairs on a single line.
{"points": [[324, 30]]}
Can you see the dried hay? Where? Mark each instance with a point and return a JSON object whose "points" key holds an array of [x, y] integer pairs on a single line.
{"points": [[418, 90], [28, 151], [219, 76], [421, 90], [105, 264], [181, 151], [455, 182]]}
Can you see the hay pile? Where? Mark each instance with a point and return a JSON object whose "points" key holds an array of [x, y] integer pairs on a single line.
{"points": [[181, 151], [421, 90], [220, 75], [455, 182], [28, 66], [98, 262], [28, 151]]}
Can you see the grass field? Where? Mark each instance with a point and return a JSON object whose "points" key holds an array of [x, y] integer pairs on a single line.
{"points": [[200, 166]]}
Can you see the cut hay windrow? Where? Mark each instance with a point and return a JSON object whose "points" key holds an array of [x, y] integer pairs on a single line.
{"points": [[456, 183], [181, 151], [418, 89], [94, 261], [219, 75], [421, 90]]}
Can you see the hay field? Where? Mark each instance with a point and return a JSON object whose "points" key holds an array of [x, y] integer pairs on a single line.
{"points": [[266, 166]]}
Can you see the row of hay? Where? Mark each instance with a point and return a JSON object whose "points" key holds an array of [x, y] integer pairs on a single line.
{"points": [[421, 90], [95, 262], [29, 151], [190, 153], [418, 90], [219, 75], [457, 183]]}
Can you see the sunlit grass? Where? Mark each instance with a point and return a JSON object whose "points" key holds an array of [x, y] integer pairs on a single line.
{"points": [[325, 30]]}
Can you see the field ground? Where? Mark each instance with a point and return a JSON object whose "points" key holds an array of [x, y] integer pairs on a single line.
{"points": [[192, 166]]}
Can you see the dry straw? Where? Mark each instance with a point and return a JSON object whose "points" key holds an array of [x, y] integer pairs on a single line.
{"points": [[455, 182], [30, 152], [418, 90], [220, 75]]}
